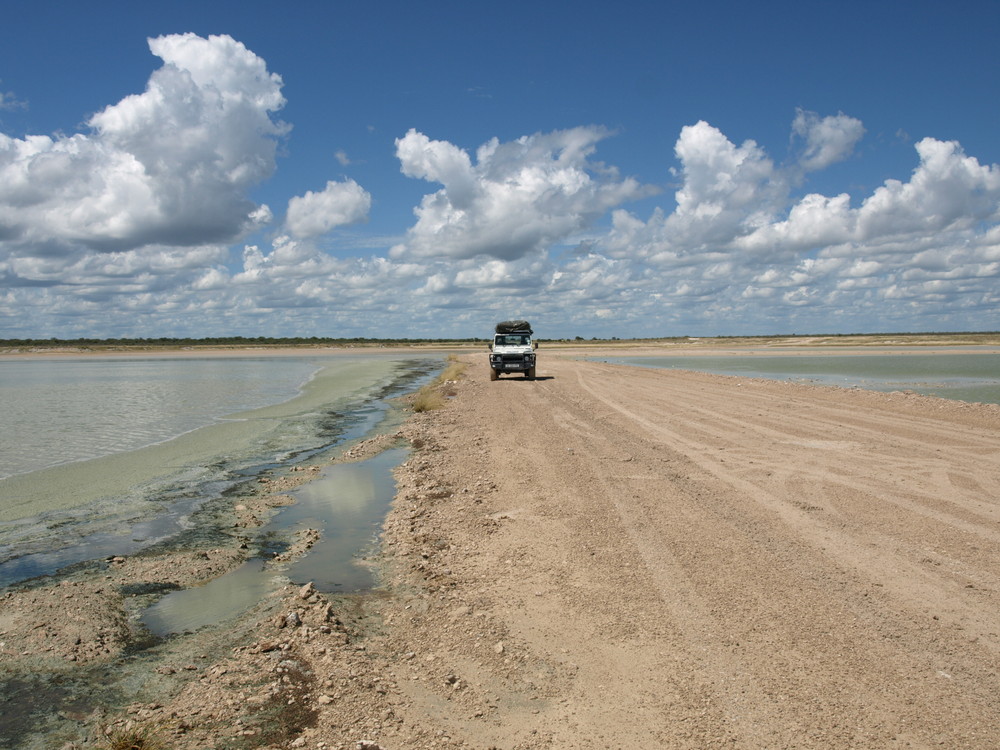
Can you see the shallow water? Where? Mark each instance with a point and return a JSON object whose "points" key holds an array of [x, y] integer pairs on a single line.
{"points": [[119, 503], [60, 411], [346, 503], [973, 377]]}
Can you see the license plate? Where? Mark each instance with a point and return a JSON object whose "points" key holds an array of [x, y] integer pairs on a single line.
{"points": [[511, 367]]}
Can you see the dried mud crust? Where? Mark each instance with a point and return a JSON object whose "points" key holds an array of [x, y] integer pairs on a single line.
{"points": [[614, 557]]}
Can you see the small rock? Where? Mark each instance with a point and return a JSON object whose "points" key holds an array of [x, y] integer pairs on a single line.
{"points": [[307, 591]]}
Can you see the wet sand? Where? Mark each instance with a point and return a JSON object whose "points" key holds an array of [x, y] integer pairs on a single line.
{"points": [[614, 557]]}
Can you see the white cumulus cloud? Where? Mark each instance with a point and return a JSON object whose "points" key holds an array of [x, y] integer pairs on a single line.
{"points": [[739, 246], [728, 189], [169, 166], [947, 191], [135, 220], [517, 198], [827, 139], [339, 204]]}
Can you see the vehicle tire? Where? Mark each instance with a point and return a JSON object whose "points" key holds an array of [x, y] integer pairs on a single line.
{"points": [[530, 374], [494, 375]]}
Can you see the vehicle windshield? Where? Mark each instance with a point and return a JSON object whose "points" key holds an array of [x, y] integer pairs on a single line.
{"points": [[512, 340]]}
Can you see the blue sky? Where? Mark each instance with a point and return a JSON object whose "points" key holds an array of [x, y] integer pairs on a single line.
{"points": [[392, 169]]}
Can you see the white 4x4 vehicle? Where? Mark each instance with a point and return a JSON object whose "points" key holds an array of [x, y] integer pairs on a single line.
{"points": [[512, 349]]}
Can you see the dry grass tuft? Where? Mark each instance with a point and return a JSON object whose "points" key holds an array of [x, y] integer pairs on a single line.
{"points": [[428, 399], [435, 394], [133, 737], [453, 371]]}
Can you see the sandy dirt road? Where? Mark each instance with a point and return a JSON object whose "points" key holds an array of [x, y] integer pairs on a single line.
{"points": [[617, 557]]}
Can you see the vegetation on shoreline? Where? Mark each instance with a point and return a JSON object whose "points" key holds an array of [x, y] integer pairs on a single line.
{"points": [[265, 342], [132, 736], [435, 394]]}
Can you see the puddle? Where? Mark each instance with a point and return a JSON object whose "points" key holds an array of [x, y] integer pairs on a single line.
{"points": [[346, 503], [216, 601]]}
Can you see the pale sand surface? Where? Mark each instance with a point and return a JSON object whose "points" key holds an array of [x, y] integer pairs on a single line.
{"points": [[683, 560], [621, 557]]}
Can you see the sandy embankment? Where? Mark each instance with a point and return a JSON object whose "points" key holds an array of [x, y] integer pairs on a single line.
{"points": [[616, 557]]}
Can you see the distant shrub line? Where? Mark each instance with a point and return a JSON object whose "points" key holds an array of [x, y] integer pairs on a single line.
{"points": [[225, 341], [371, 341]]}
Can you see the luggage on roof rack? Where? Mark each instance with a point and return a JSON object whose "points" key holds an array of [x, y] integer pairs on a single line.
{"points": [[514, 326]]}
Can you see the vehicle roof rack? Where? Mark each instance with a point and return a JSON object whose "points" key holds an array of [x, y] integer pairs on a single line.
{"points": [[514, 326]]}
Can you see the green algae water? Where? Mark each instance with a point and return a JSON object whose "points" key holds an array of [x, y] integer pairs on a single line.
{"points": [[168, 434], [959, 375]]}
